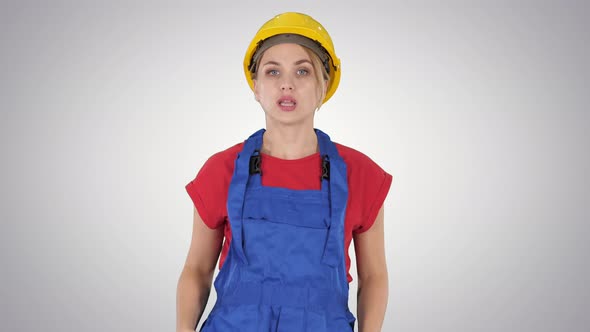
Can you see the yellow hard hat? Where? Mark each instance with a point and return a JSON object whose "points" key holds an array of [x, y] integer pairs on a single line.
{"points": [[290, 25]]}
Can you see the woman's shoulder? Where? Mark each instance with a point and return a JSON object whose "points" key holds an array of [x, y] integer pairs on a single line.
{"points": [[355, 158], [361, 168], [221, 162], [368, 185], [224, 158]]}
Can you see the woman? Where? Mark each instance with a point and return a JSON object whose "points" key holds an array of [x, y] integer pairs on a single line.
{"points": [[288, 202]]}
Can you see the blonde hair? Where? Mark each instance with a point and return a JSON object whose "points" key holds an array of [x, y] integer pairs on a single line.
{"points": [[321, 74]]}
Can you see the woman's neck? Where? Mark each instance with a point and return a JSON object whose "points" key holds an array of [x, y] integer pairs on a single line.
{"points": [[292, 142]]}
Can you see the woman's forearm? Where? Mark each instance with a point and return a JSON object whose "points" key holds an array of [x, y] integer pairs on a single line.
{"points": [[191, 298], [372, 298]]}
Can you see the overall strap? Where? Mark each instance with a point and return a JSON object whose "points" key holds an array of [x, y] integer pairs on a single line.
{"points": [[237, 190], [334, 179]]}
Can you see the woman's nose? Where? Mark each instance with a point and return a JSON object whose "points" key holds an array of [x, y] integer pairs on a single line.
{"points": [[287, 84]]}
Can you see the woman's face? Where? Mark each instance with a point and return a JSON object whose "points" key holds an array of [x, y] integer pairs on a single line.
{"points": [[286, 85]]}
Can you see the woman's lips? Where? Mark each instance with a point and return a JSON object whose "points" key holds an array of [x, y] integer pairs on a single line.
{"points": [[287, 104]]}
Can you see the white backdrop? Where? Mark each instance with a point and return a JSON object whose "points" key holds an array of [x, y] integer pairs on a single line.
{"points": [[478, 110]]}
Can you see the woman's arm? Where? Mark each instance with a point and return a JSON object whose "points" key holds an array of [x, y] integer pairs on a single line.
{"points": [[194, 283], [372, 277]]}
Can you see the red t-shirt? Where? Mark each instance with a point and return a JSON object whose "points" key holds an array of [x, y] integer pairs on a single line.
{"points": [[368, 186]]}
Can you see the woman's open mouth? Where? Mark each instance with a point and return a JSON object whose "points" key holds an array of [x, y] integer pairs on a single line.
{"points": [[287, 104]]}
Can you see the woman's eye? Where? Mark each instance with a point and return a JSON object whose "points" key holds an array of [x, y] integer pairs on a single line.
{"points": [[273, 72], [302, 72]]}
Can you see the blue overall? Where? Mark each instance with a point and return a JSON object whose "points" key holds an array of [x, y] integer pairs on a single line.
{"points": [[285, 269]]}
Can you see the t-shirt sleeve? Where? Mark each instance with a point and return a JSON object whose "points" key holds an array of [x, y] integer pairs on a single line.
{"points": [[383, 184], [371, 185], [209, 189]]}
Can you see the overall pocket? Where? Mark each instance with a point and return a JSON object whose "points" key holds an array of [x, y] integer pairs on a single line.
{"points": [[233, 318]]}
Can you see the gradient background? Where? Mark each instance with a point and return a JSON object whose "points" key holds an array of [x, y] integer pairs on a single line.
{"points": [[479, 111]]}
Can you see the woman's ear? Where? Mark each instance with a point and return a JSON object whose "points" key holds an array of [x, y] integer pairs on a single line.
{"points": [[324, 91], [256, 91]]}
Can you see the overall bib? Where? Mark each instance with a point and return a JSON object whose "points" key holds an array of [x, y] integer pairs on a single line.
{"points": [[285, 269]]}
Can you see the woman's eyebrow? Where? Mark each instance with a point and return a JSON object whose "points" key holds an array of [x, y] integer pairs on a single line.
{"points": [[298, 62], [302, 61], [271, 63]]}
